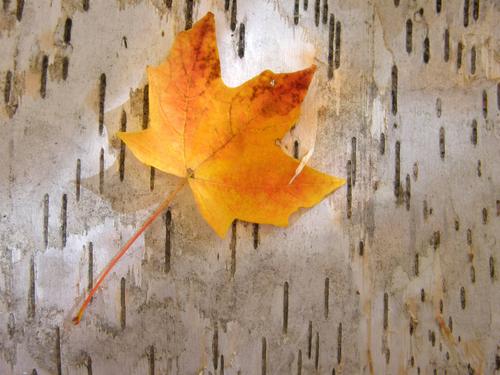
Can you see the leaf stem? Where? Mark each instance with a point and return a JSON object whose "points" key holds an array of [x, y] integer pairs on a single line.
{"points": [[162, 207]]}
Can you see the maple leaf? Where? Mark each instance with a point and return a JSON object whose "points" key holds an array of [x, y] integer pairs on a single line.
{"points": [[222, 140]]}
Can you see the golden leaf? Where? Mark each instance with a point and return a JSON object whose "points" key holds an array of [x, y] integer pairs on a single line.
{"points": [[223, 139]]}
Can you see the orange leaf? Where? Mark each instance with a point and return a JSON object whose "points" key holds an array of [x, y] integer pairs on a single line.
{"points": [[223, 139]]}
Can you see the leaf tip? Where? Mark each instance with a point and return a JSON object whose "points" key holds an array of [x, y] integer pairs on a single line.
{"points": [[337, 183], [221, 228], [308, 73], [120, 136], [207, 18]]}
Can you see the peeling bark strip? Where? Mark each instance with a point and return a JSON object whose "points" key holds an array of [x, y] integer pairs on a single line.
{"points": [[46, 220], [436, 239], [123, 308], [299, 363], [11, 325], [326, 297], [309, 340], [296, 12], [324, 18], [89, 365], [65, 68], [462, 297], [234, 11], [442, 149], [8, 87], [460, 48], [485, 104], [339, 344], [90, 273], [101, 171], [316, 353], [189, 14], [349, 189], [331, 39], [58, 351], [337, 44], [121, 159], [102, 97], [215, 346], [43, 78], [446, 54], [152, 173], [19, 10], [151, 357], [32, 290], [409, 35], [498, 96], [145, 124], [473, 137], [241, 41], [145, 107], [466, 12], [255, 235], [316, 12], [438, 107], [264, 356], [397, 171], [473, 60], [394, 89], [353, 160], [232, 247], [427, 50], [64, 220], [78, 178], [296, 149], [386, 311], [475, 10], [168, 240], [285, 307], [67, 30]]}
